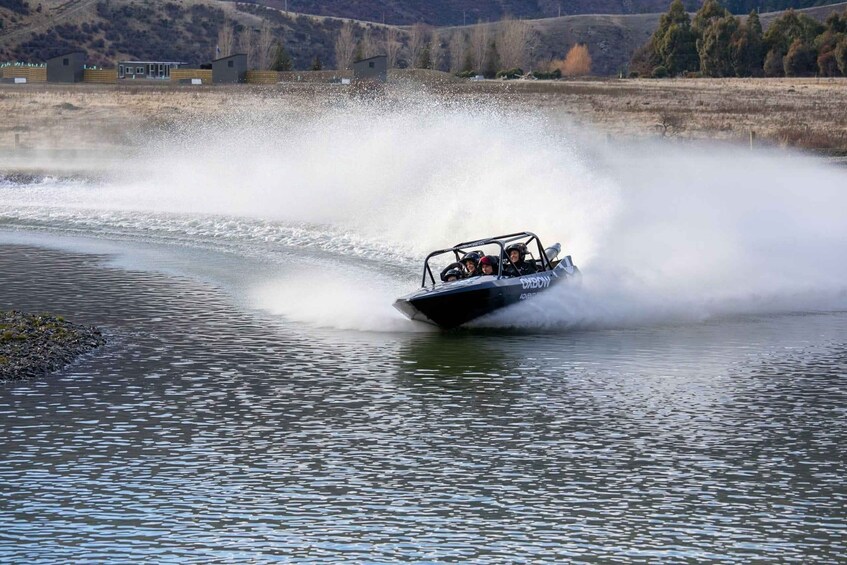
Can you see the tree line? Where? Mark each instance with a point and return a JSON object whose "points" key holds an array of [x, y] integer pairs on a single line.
{"points": [[714, 43]]}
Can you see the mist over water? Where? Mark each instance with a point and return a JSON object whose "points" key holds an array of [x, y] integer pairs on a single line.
{"points": [[346, 201]]}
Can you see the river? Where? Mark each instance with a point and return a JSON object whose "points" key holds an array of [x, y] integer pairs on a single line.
{"points": [[260, 400]]}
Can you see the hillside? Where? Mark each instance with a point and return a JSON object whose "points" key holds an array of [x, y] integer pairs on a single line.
{"points": [[463, 12], [187, 30]]}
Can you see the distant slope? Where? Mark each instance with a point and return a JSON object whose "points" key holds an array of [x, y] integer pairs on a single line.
{"points": [[463, 12], [187, 30]]}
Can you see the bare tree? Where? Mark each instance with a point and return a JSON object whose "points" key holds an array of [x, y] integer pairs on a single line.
{"points": [[437, 52], [370, 47], [513, 43], [266, 41], [479, 44], [226, 38], [345, 46], [418, 40], [392, 46], [457, 51], [247, 46]]}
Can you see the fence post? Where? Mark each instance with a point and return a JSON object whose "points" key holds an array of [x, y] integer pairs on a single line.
{"points": [[752, 138]]}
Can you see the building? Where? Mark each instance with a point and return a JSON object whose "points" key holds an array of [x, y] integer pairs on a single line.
{"points": [[372, 69], [228, 70], [156, 70], [66, 68]]}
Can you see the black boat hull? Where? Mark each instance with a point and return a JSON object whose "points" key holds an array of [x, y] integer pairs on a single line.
{"points": [[452, 304]]}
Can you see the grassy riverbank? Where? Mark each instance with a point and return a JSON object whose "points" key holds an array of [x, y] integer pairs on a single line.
{"points": [[92, 119]]}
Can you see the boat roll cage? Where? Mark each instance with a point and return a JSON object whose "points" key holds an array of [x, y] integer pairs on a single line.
{"points": [[501, 240]]}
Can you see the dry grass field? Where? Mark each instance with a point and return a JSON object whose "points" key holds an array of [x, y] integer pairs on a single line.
{"points": [[809, 114]]}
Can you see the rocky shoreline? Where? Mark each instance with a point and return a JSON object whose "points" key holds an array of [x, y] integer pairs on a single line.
{"points": [[35, 345]]}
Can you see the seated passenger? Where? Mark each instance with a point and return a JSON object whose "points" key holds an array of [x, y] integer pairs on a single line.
{"points": [[488, 265], [517, 253], [452, 272], [452, 275], [471, 263]]}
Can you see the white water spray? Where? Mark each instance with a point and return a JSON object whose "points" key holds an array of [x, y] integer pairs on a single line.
{"points": [[662, 232]]}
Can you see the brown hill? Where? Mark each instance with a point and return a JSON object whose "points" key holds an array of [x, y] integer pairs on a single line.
{"points": [[187, 30]]}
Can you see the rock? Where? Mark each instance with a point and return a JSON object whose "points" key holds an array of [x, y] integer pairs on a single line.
{"points": [[36, 345]]}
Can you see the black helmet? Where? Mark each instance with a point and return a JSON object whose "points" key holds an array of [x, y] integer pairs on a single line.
{"points": [[473, 256], [489, 260], [519, 247], [454, 272]]}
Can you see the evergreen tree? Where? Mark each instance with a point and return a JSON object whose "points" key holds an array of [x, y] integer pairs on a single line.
{"points": [[800, 60], [282, 60], [748, 54], [710, 11], [359, 52], [317, 65], [792, 26], [773, 63], [672, 46], [716, 47]]}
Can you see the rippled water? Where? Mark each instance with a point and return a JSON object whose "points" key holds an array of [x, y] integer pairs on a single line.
{"points": [[206, 431]]}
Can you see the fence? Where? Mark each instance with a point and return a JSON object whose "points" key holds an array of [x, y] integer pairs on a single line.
{"points": [[204, 75], [100, 76], [31, 74]]}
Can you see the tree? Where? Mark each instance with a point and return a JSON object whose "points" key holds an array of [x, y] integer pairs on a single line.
{"points": [[246, 46], [673, 45], [317, 65], [791, 26], [644, 60], [436, 50], [479, 45], [492, 60], [709, 12], [841, 55], [800, 60], [282, 60], [715, 47], [226, 39], [418, 40], [457, 51], [773, 63], [392, 47], [263, 48], [345, 46], [358, 53], [577, 62], [748, 54], [370, 47], [513, 42]]}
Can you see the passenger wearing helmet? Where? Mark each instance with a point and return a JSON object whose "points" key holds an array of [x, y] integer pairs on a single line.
{"points": [[488, 265], [471, 263], [516, 252], [452, 272]]}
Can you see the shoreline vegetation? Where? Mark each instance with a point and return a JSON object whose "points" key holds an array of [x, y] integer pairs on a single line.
{"points": [[37, 345], [87, 128]]}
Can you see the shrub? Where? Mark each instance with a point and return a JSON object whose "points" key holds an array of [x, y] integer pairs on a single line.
{"points": [[509, 73], [660, 72]]}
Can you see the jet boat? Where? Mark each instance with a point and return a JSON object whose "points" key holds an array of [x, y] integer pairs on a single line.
{"points": [[451, 304]]}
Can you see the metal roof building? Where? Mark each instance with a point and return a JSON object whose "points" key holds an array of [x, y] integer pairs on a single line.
{"points": [[159, 70], [66, 68]]}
